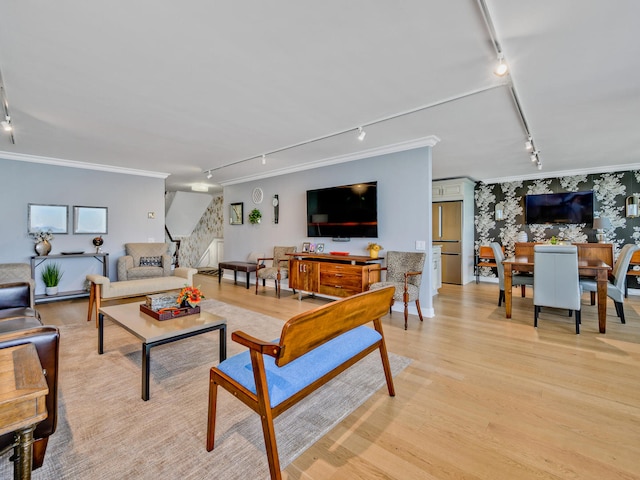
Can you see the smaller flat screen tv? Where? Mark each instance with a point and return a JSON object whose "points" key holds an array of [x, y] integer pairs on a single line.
{"points": [[560, 208], [344, 212]]}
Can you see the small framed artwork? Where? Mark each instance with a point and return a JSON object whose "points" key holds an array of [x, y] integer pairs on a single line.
{"points": [[305, 247], [235, 213], [90, 220], [312, 248], [320, 248], [52, 218]]}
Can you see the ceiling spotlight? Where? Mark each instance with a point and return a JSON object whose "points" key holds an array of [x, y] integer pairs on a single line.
{"points": [[264, 159], [539, 165], [528, 145], [209, 174], [502, 68], [534, 156], [361, 133], [6, 124]]}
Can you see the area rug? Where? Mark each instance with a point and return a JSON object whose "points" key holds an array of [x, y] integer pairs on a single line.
{"points": [[106, 431]]}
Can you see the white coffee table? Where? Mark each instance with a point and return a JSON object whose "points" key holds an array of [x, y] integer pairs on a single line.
{"points": [[154, 332]]}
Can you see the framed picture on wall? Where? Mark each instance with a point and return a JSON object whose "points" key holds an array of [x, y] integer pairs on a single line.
{"points": [[90, 220], [48, 218], [305, 247], [235, 213]]}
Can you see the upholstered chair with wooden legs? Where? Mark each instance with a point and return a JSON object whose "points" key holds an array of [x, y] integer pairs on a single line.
{"points": [[404, 272], [278, 270], [615, 288], [555, 280], [516, 279]]}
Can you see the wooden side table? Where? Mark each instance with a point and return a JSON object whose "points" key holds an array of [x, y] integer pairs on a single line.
{"points": [[23, 389]]}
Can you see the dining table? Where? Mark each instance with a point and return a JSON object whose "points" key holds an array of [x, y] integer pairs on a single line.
{"points": [[587, 267]]}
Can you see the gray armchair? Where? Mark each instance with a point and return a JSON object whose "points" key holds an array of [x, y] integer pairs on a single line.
{"points": [[144, 260], [516, 279], [403, 271], [615, 288], [556, 280]]}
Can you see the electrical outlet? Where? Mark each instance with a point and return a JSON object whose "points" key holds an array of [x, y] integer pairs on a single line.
{"points": [[421, 245]]}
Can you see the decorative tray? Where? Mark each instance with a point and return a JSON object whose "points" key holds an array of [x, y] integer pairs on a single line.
{"points": [[344, 254], [169, 313]]}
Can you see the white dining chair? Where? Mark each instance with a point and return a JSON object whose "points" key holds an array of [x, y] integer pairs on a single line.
{"points": [[517, 280], [555, 280]]}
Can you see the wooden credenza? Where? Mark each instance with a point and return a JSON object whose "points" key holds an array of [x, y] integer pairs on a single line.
{"points": [[333, 275]]}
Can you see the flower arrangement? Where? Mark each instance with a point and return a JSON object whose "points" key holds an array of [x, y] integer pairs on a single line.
{"points": [[375, 247], [41, 236], [190, 295]]}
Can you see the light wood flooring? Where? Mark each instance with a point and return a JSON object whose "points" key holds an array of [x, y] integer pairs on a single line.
{"points": [[484, 398]]}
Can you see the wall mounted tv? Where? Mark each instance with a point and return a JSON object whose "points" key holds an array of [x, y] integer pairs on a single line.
{"points": [[343, 212], [560, 208]]}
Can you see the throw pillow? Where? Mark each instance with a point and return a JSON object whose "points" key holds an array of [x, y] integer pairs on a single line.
{"points": [[150, 261]]}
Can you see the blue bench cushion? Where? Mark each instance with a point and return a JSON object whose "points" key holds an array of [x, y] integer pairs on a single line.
{"points": [[288, 380]]}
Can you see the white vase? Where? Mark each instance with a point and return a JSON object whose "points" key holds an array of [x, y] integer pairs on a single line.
{"points": [[522, 237], [51, 290]]}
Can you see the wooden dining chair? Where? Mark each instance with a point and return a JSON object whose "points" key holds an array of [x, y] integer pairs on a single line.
{"points": [[556, 280]]}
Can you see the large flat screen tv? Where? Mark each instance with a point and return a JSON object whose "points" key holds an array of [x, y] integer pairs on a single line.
{"points": [[344, 212], [560, 208]]}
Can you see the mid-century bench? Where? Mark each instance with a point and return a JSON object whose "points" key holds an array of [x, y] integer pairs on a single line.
{"points": [[313, 348], [246, 267]]}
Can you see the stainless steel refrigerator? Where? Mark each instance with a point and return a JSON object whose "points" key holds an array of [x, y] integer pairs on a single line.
{"points": [[447, 232]]}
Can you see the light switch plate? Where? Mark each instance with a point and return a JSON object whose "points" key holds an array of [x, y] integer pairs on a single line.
{"points": [[421, 245]]}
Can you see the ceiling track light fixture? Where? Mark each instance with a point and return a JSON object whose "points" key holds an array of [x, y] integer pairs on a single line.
{"points": [[209, 174], [502, 68], [6, 123], [529, 144], [360, 130], [264, 159], [361, 134]]}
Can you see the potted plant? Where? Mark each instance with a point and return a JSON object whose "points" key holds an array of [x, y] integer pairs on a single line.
{"points": [[254, 216], [51, 275], [374, 248]]}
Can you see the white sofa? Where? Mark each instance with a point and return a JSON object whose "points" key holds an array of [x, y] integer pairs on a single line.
{"points": [[104, 289]]}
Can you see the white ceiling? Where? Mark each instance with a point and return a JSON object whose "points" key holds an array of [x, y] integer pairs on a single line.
{"points": [[183, 87]]}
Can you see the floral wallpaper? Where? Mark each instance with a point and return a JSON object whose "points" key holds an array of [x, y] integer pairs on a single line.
{"points": [[209, 227], [610, 193]]}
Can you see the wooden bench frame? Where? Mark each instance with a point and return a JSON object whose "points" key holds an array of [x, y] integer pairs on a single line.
{"points": [[300, 335]]}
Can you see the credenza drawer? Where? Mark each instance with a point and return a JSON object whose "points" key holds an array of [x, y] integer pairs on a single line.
{"points": [[338, 291]]}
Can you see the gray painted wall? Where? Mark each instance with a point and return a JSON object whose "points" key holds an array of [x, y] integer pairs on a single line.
{"points": [[404, 213], [129, 198]]}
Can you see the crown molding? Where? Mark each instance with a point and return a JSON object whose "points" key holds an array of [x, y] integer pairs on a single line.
{"points": [[21, 157], [563, 173], [429, 141]]}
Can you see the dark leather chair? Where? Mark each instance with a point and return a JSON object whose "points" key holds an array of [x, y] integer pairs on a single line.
{"points": [[15, 300], [20, 324]]}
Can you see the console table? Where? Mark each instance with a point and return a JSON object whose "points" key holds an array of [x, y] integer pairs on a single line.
{"points": [[23, 391], [36, 260], [333, 275]]}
